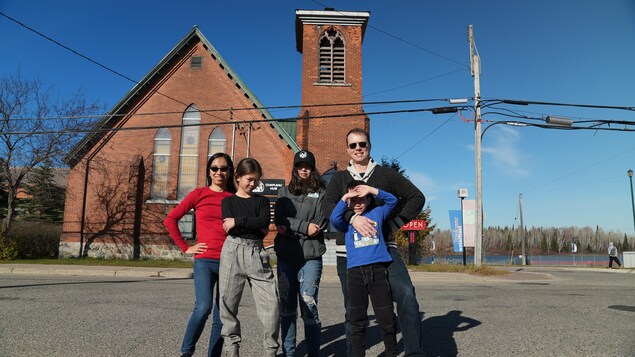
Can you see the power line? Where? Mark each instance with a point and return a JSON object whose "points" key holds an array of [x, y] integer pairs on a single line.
{"points": [[404, 101], [86, 57], [415, 83], [406, 41], [580, 170], [425, 137], [289, 119], [578, 185], [528, 102]]}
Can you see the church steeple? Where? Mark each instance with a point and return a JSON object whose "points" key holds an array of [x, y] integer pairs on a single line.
{"points": [[331, 45]]}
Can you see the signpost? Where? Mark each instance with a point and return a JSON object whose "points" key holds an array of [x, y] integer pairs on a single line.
{"points": [[411, 229]]}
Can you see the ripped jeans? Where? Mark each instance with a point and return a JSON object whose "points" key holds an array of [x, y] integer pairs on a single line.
{"points": [[300, 283]]}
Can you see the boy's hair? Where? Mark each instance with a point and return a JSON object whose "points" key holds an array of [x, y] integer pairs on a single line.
{"points": [[351, 185], [371, 199]]}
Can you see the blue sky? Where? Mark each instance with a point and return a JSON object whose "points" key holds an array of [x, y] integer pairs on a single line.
{"points": [[568, 51]]}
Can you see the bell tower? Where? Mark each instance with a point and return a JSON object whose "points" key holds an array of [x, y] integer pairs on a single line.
{"points": [[330, 42]]}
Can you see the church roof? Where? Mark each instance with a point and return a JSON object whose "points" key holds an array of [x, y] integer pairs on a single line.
{"points": [[286, 129]]}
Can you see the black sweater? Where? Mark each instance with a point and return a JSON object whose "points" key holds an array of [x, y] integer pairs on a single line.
{"points": [[251, 215], [410, 199]]}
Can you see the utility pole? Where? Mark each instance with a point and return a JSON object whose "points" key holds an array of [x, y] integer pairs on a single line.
{"points": [[475, 67], [522, 230]]}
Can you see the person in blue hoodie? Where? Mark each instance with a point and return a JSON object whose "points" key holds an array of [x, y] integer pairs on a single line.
{"points": [[367, 262]]}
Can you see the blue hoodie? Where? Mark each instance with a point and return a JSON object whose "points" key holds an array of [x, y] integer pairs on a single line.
{"points": [[365, 250]]}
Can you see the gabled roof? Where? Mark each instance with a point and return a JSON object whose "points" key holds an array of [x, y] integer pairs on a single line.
{"points": [[286, 130]]}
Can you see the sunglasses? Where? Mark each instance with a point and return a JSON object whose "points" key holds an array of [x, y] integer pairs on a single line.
{"points": [[362, 145], [222, 168]]}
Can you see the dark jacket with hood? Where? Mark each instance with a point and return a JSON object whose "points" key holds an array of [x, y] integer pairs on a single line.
{"points": [[295, 212]]}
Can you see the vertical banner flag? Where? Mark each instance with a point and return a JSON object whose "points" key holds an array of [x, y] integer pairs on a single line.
{"points": [[456, 227], [469, 222]]}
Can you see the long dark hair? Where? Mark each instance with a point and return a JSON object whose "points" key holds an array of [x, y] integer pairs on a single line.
{"points": [[248, 166], [229, 186], [313, 183]]}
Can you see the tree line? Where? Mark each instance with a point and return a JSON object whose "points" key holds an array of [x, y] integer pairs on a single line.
{"points": [[541, 240]]}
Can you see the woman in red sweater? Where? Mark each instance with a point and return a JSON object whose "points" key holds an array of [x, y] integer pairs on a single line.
{"points": [[206, 203]]}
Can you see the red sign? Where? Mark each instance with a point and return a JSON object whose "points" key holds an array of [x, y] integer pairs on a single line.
{"points": [[415, 225]]}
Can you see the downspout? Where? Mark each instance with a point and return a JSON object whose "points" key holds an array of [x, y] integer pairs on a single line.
{"points": [[249, 141], [233, 142], [84, 199]]}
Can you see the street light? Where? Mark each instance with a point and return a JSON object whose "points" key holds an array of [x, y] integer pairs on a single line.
{"points": [[630, 177]]}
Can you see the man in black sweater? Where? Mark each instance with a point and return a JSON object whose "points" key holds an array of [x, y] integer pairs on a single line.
{"points": [[410, 203]]}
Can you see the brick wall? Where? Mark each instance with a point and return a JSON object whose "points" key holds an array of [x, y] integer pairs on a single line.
{"points": [[327, 136], [113, 163]]}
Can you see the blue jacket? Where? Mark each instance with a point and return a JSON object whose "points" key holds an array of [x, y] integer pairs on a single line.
{"points": [[365, 250]]}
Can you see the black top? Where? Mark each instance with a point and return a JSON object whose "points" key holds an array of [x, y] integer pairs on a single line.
{"points": [[251, 214]]}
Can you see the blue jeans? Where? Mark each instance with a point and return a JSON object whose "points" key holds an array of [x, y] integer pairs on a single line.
{"points": [[403, 294], [205, 278], [300, 283]]}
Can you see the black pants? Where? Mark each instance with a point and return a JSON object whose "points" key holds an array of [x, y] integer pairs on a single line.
{"points": [[364, 281], [614, 259]]}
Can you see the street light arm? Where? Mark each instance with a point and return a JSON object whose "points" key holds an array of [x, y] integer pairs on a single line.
{"points": [[510, 123]]}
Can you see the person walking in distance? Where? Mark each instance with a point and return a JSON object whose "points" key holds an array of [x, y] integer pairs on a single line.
{"points": [[613, 256], [206, 203], [410, 202], [299, 247], [244, 260]]}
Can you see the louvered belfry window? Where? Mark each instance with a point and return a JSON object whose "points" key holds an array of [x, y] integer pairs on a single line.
{"points": [[332, 57]]}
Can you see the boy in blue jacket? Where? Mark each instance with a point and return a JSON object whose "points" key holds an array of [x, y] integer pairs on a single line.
{"points": [[368, 258]]}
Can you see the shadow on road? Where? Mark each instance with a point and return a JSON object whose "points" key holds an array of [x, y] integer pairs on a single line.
{"points": [[331, 346], [439, 331]]}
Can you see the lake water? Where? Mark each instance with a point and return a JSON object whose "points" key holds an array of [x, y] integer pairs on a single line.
{"points": [[567, 260]]}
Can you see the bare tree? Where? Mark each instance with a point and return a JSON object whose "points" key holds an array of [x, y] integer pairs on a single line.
{"points": [[35, 125]]}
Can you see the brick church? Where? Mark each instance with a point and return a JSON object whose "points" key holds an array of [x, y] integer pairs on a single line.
{"points": [[150, 150]]}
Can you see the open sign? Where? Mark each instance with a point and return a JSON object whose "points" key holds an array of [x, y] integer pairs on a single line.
{"points": [[415, 225]]}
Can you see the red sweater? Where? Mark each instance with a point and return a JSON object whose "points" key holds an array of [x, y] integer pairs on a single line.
{"points": [[209, 224]]}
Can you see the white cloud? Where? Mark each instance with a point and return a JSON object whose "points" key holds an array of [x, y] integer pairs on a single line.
{"points": [[502, 149], [422, 181], [431, 188]]}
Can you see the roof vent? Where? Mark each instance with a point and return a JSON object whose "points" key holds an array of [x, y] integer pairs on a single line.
{"points": [[196, 62]]}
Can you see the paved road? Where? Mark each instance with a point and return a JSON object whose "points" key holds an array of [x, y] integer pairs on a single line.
{"points": [[126, 312]]}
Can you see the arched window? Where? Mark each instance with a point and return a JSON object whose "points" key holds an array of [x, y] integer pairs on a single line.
{"points": [[161, 164], [188, 155], [332, 57], [216, 142]]}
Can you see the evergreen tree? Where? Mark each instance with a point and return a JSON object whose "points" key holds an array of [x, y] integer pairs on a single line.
{"points": [[554, 244], [46, 202], [393, 164], [544, 247], [625, 246]]}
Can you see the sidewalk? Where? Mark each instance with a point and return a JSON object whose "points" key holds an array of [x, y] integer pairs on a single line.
{"points": [[89, 270], [329, 272]]}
